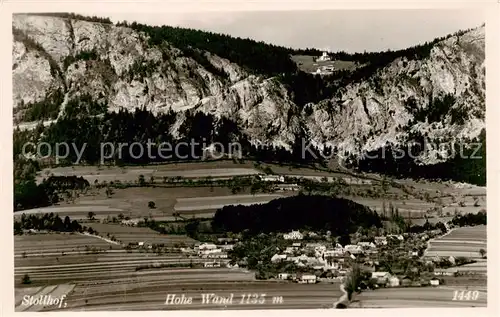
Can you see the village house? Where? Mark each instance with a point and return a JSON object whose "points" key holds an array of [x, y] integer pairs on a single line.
{"points": [[278, 258], [206, 246], [208, 252], [333, 253], [187, 251], [217, 255], [332, 265], [312, 234], [413, 252], [294, 235], [284, 276], [434, 282], [393, 281], [296, 245], [396, 236], [353, 249], [272, 178], [342, 272], [367, 245], [289, 250], [227, 247], [381, 277], [308, 279]]}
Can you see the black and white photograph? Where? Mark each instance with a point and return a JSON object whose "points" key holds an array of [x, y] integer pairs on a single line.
{"points": [[249, 160]]}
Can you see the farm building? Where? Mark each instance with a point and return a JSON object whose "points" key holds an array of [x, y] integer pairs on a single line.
{"points": [[381, 277], [272, 178], [308, 279], [278, 258], [207, 246], [434, 282], [227, 246], [393, 281], [217, 255], [367, 245]]}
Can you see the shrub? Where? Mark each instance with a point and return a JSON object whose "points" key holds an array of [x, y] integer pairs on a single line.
{"points": [[26, 279]]}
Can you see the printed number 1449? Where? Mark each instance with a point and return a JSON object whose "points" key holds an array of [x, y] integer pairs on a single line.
{"points": [[465, 295]]}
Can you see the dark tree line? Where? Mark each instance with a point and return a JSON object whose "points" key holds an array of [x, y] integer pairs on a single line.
{"points": [[51, 222], [28, 194], [48, 108], [84, 106], [142, 126], [314, 212], [470, 219], [427, 226], [81, 56], [467, 165], [75, 16], [256, 57]]}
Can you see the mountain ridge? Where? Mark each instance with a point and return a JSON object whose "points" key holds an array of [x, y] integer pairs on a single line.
{"points": [[58, 61]]}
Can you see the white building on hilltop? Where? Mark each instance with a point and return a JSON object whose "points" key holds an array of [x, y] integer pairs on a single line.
{"points": [[324, 58]]}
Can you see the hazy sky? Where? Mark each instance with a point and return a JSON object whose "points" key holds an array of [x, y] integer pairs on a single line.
{"points": [[335, 30]]}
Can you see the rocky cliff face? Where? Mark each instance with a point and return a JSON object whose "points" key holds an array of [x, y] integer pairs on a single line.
{"points": [[378, 111], [117, 66]]}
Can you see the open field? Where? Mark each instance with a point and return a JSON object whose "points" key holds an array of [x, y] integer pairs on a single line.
{"points": [[55, 243], [416, 297], [195, 203], [133, 202], [214, 169], [128, 234], [465, 241], [413, 207]]}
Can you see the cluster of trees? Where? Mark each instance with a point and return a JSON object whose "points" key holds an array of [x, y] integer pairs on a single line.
{"points": [[198, 130], [426, 227], [470, 219], [28, 194], [84, 106], [467, 165], [75, 16], [311, 212], [51, 222], [256, 57], [436, 110], [47, 108], [83, 55]]}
